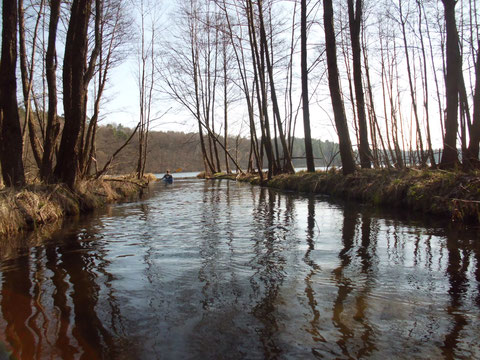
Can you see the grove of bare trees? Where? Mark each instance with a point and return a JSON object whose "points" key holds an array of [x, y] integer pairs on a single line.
{"points": [[397, 81]]}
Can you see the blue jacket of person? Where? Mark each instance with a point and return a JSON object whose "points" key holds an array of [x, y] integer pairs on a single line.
{"points": [[168, 178]]}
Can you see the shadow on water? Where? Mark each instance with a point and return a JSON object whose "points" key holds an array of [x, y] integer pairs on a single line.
{"points": [[313, 329], [344, 283], [228, 271], [268, 265], [354, 223], [459, 255], [49, 300]]}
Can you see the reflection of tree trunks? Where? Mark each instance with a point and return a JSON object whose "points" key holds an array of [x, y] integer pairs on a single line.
{"points": [[362, 299], [457, 269], [60, 302], [309, 292], [476, 250], [350, 218], [38, 312], [269, 269], [95, 341], [17, 308], [11, 148]]}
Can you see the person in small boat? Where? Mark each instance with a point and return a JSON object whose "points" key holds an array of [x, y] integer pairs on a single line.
{"points": [[168, 178]]}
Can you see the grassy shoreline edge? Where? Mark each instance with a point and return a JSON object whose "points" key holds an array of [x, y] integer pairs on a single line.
{"points": [[36, 205], [452, 194]]}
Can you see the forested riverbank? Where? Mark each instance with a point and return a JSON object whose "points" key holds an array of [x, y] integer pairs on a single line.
{"points": [[455, 195]]}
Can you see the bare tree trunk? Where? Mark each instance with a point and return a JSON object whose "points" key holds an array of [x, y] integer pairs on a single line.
{"points": [[260, 84], [412, 91], [11, 148], [75, 84], [290, 123], [435, 77], [450, 155], [148, 102], [346, 153], [286, 155], [225, 100], [212, 94], [27, 78], [473, 147], [305, 99], [387, 90], [371, 106], [431, 155], [355, 20], [53, 124]]}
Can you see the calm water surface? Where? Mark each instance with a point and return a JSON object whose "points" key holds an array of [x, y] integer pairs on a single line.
{"points": [[220, 270]]}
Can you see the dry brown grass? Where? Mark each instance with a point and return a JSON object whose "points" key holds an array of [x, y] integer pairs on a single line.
{"points": [[454, 194], [36, 205]]}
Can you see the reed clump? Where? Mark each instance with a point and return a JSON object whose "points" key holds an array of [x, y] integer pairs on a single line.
{"points": [[39, 204]]}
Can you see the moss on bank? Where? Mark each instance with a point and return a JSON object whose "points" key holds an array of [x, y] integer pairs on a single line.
{"points": [[40, 204], [452, 194]]}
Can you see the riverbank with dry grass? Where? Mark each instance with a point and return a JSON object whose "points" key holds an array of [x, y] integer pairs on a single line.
{"points": [[40, 204], [455, 195]]}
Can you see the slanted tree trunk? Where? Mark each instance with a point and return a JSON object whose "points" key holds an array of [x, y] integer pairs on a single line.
{"points": [[355, 20], [11, 148], [305, 100], [53, 124], [431, 155], [276, 110], [27, 77], [260, 85], [450, 155], [413, 96], [346, 153]]}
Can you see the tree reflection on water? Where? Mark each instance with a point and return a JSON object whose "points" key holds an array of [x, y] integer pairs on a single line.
{"points": [[225, 270]]}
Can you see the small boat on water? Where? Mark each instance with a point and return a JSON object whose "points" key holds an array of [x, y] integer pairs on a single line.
{"points": [[168, 180]]}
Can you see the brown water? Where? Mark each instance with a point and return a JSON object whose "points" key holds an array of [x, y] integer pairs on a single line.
{"points": [[220, 270]]}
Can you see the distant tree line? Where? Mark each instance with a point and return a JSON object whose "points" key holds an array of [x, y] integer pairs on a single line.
{"points": [[385, 74], [177, 151]]}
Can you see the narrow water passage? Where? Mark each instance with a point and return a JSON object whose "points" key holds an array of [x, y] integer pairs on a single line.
{"points": [[223, 270]]}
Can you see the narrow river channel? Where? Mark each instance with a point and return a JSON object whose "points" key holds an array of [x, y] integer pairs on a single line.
{"points": [[225, 270]]}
